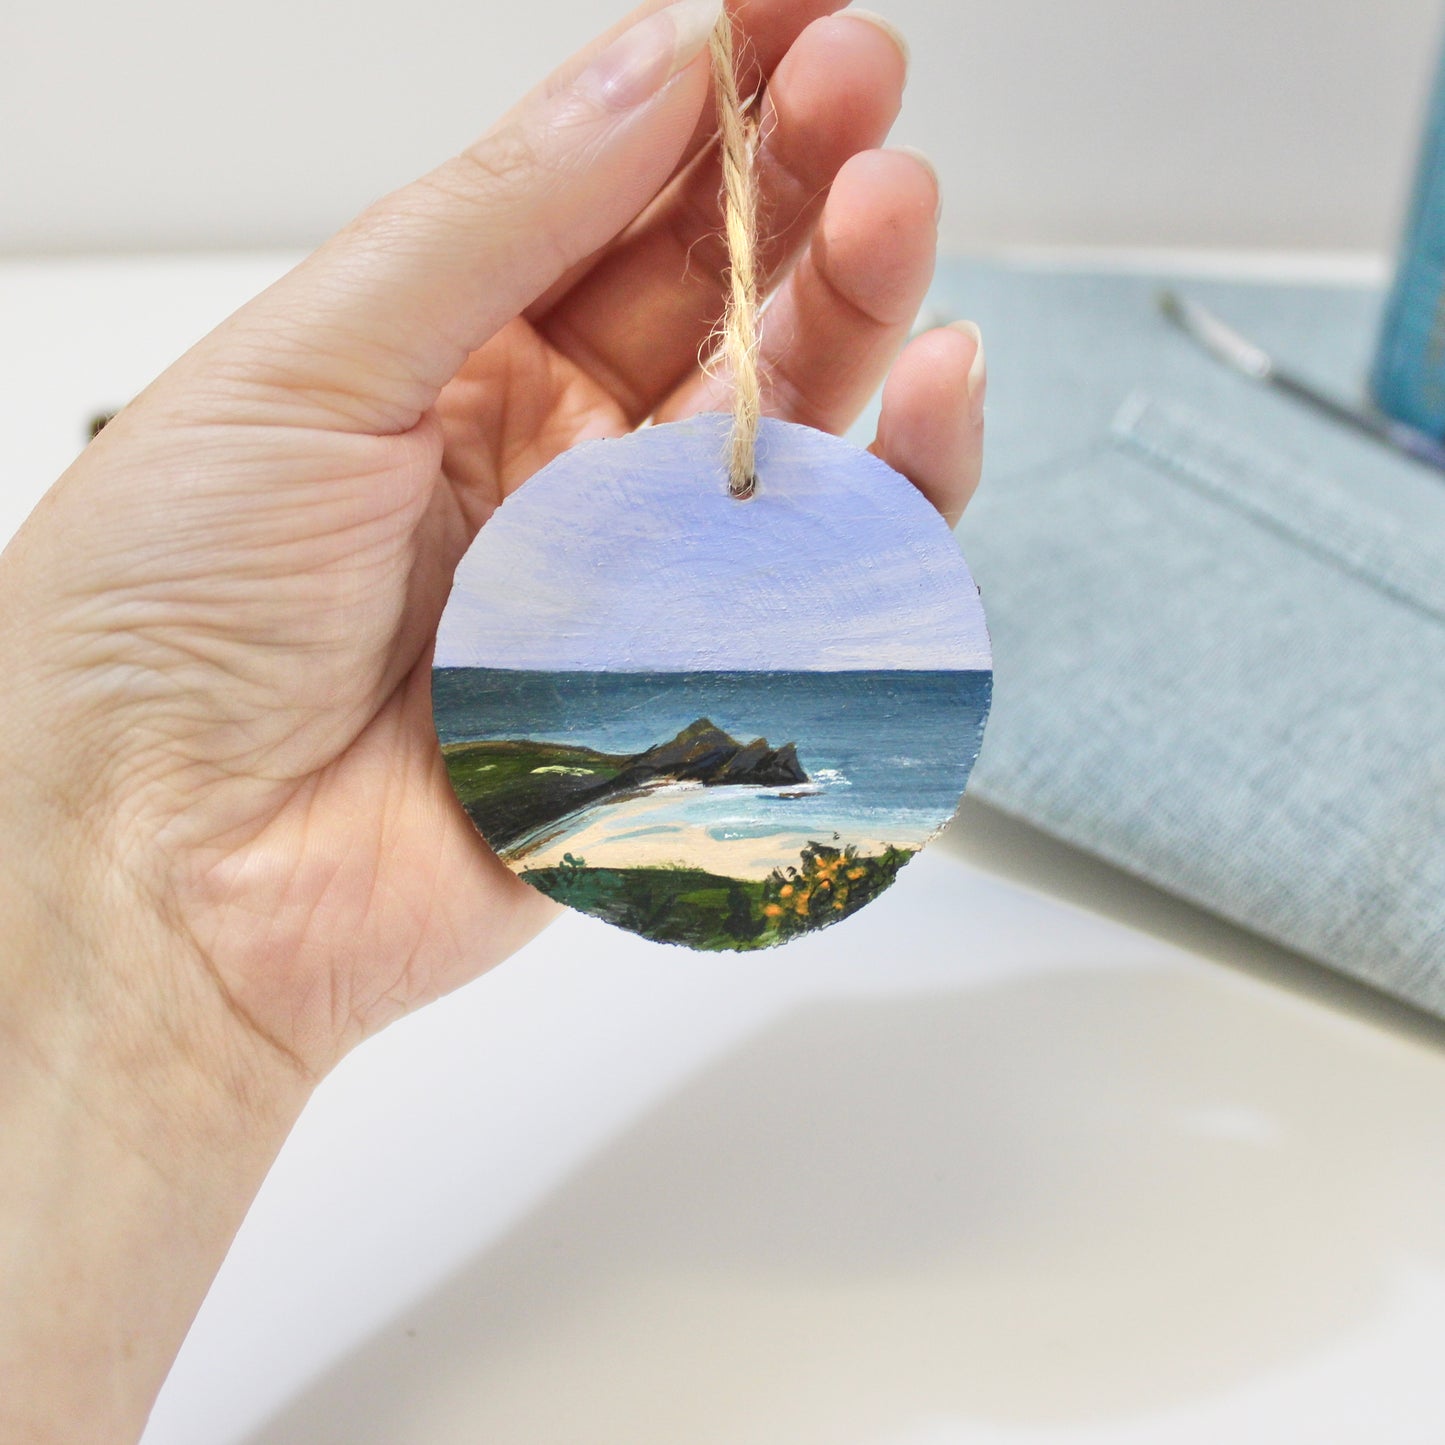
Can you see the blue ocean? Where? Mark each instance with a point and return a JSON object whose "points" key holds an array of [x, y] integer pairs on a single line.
{"points": [[887, 753]]}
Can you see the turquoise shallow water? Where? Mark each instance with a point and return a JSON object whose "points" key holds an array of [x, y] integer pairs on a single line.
{"points": [[888, 753]]}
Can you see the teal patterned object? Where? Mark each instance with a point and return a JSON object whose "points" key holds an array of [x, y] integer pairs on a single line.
{"points": [[1408, 380]]}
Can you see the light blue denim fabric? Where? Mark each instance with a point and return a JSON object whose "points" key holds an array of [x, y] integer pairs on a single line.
{"points": [[1218, 620]]}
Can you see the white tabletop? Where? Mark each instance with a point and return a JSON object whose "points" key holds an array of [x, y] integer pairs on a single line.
{"points": [[1026, 1153]]}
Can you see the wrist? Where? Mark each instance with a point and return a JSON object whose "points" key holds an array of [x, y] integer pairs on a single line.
{"points": [[139, 1116]]}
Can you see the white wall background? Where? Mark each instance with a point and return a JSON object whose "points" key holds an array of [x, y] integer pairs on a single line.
{"points": [[176, 124]]}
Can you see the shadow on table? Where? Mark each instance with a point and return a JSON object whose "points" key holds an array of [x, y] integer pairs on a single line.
{"points": [[1071, 1197]]}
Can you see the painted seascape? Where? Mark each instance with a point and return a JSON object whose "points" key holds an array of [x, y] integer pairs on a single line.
{"points": [[715, 723], [717, 810]]}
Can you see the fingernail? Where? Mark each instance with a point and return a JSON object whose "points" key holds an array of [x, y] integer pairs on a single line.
{"points": [[642, 60], [888, 28], [977, 372], [932, 170]]}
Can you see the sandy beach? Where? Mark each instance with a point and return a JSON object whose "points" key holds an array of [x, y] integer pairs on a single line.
{"points": [[653, 830]]}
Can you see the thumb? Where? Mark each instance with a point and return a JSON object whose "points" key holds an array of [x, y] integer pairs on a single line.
{"points": [[364, 334]]}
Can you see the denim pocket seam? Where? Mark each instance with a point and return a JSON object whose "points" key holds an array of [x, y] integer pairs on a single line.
{"points": [[1291, 500]]}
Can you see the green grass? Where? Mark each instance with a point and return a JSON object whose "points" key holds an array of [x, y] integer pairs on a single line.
{"points": [[671, 905], [477, 768], [707, 911], [509, 788]]}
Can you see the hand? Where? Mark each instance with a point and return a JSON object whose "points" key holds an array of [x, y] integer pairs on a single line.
{"points": [[228, 834]]}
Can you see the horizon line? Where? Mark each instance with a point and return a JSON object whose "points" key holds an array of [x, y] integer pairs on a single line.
{"points": [[698, 671]]}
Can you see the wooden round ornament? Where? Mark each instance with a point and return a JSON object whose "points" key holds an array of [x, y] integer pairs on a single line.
{"points": [[714, 722]]}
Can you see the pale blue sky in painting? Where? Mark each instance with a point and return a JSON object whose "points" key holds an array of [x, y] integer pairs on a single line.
{"points": [[629, 556]]}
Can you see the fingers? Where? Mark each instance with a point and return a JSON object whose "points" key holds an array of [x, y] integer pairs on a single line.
{"points": [[932, 424], [638, 318], [837, 324], [365, 333], [764, 32]]}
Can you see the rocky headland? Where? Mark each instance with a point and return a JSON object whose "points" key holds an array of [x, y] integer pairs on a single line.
{"points": [[515, 790]]}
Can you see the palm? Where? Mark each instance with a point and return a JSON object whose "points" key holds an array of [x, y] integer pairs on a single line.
{"points": [[514, 406], [369, 890]]}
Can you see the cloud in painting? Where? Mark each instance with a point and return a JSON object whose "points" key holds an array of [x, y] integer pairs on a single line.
{"points": [[629, 556]]}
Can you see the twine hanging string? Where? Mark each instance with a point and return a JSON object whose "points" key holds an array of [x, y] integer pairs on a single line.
{"points": [[740, 338]]}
